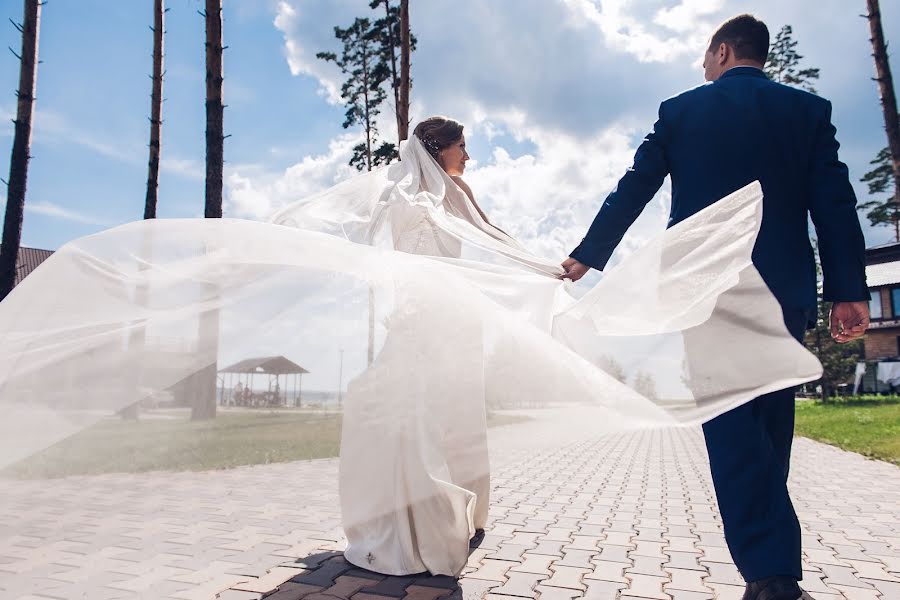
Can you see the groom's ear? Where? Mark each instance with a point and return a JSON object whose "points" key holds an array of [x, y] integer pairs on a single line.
{"points": [[722, 53]]}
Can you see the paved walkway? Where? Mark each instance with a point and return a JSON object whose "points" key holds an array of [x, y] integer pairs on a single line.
{"points": [[573, 515]]}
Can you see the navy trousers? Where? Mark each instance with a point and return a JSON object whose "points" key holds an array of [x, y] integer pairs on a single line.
{"points": [[749, 455]]}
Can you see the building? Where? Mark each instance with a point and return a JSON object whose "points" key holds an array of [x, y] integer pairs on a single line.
{"points": [[883, 275], [28, 260], [882, 341]]}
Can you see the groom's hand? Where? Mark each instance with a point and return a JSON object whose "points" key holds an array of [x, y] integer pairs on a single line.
{"points": [[574, 270], [849, 320]]}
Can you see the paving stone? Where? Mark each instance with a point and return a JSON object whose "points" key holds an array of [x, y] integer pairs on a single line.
{"points": [[848, 553], [270, 581], [686, 580], [438, 581], [715, 554], [614, 554], [835, 575], [519, 584], [872, 570], [492, 570], [602, 590], [725, 574], [684, 560], [293, 591], [567, 577], [421, 592], [345, 586], [548, 548], [556, 593], [238, 595], [615, 538], [855, 593], [646, 565], [325, 574], [394, 587], [535, 563], [577, 558], [888, 589], [727, 592], [472, 589], [681, 544], [645, 586], [685, 595], [604, 570], [509, 552]]}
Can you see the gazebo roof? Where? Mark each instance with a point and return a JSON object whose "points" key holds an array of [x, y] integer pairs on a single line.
{"points": [[273, 365]]}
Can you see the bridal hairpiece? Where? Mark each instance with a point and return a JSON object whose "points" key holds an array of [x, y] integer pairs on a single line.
{"points": [[430, 144]]}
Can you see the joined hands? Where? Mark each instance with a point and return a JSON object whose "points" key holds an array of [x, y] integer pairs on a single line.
{"points": [[574, 270]]}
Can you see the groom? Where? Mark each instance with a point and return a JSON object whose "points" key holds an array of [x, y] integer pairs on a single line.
{"points": [[713, 140]]}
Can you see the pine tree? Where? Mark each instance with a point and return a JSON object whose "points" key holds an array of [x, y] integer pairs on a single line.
{"points": [[203, 383], [361, 60], [783, 62], [886, 174], [156, 100], [880, 179], [645, 385], [21, 150], [392, 32]]}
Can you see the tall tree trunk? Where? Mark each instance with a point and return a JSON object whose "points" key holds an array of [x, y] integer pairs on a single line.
{"points": [[395, 82], [365, 67], [203, 392], [159, 12], [886, 88], [215, 137], [137, 339], [18, 164], [403, 106]]}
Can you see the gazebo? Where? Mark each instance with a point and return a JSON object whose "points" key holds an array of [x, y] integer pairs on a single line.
{"points": [[272, 367]]}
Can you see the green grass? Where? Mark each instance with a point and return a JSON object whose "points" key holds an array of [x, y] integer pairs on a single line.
{"points": [[230, 440], [868, 426]]}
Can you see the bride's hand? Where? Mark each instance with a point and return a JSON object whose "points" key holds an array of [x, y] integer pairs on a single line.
{"points": [[574, 270]]}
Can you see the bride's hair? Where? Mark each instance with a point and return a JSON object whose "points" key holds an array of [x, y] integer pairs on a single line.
{"points": [[436, 133]]}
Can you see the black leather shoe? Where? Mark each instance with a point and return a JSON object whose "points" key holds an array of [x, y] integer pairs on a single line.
{"points": [[773, 588]]}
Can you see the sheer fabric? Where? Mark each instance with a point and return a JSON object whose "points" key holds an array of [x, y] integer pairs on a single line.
{"points": [[413, 317]]}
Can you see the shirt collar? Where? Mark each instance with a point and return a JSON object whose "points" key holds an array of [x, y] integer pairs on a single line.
{"points": [[743, 70]]}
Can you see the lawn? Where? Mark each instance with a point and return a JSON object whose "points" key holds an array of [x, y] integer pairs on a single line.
{"points": [[230, 440], [870, 428]]}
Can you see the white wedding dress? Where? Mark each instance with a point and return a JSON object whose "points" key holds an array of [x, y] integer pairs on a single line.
{"points": [[457, 317]]}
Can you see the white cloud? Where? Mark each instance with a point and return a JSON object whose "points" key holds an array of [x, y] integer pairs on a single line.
{"points": [[253, 193], [302, 62], [186, 167], [548, 198], [54, 210], [682, 30]]}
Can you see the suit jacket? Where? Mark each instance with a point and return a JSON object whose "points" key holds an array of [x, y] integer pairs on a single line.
{"points": [[721, 136]]}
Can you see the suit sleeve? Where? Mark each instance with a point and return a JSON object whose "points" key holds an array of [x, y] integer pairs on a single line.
{"points": [[623, 205], [833, 210]]}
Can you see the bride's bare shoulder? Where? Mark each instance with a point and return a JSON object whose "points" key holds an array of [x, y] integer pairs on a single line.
{"points": [[462, 184]]}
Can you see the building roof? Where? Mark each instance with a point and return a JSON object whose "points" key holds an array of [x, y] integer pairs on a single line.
{"points": [[885, 273], [273, 365], [883, 253], [28, 260]]}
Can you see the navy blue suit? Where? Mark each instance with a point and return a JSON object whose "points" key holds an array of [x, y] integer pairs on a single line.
{"points": [[713, 140]]}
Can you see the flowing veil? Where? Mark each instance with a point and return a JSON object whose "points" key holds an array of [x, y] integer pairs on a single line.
{"points": [[399, 310]]}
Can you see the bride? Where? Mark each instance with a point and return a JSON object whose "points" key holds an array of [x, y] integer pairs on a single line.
{"points": [[435, 314], [410, 508]]}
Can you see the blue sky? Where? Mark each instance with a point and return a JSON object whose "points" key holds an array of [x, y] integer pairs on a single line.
{"points": [[555, 95]]}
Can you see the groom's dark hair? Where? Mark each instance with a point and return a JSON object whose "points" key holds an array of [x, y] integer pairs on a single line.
{"points": [[746, 35]]}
